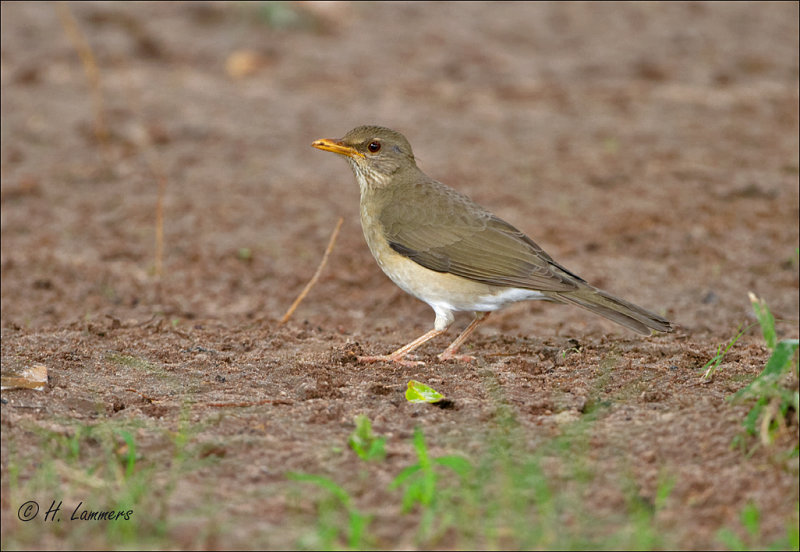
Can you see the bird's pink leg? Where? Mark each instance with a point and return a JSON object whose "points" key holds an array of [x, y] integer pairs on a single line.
{"points": [[449, 353]]}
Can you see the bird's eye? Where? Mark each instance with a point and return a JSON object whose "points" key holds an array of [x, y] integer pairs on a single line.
{"points": [[374, 147]]}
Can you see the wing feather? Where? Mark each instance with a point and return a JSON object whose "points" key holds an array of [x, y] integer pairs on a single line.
{"points": [[448, 232]]}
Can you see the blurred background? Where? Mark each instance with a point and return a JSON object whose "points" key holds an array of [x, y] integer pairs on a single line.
{"points": [[650, 147]]}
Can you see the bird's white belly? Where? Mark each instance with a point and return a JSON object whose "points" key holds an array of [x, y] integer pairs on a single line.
{"points": [[497, 299]]}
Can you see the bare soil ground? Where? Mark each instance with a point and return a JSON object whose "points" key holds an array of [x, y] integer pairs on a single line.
{"points": [[650, 148]]}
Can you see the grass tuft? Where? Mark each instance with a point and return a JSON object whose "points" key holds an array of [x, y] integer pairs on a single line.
{"points": [[775, 389]]}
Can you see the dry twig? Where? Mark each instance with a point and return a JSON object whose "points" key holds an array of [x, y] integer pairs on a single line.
{"points": [[314, 278], [246, 404], [159, 253], [84, 50]]}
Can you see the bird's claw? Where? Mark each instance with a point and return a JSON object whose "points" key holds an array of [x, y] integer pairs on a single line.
{"points": [[452, 356]]}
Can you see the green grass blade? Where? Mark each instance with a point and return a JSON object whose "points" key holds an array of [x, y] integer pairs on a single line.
{"points": [[751, 519], [404, 475], [364, 442], [765, 320], [730, 540], [710, 367], [422, 449], [130, 456], [358, 526], [322, 482], [458, 464]]}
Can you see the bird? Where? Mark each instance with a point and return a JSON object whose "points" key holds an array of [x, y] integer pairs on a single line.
{"points": [[441, 247]]}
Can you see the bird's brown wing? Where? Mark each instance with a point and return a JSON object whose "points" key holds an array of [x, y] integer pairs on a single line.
{"points": [[447, 232]]}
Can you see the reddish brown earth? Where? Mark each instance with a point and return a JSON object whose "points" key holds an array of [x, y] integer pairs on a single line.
{"points": [[650, 148]]}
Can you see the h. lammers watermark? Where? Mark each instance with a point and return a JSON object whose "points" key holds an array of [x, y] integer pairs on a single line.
{"points": [[30, 510]]}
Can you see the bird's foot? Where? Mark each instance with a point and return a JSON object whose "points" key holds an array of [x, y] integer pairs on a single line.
{"points": [[452, 356], [391, 359]]}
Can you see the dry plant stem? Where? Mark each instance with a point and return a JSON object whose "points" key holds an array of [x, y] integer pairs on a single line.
{"points": [[314, 278], [159, 258], [246, 404], [81, 45], [158, 255]]}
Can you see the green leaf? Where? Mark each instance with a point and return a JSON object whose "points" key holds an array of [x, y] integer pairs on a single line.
{"points": [[751, 519], [730, 539], [324, 483], [750, 421], [415, 493], [793, 536], [244, 254], [130, 456], [358, 526], [796, 405], [458, 464], [404, 475], [663, 491], [765, 320], [778, 363], [419, 478], [422, 449], [419, 393], [781, 357], [364, 443]]}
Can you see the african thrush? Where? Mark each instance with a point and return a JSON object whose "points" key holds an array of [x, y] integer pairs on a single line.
{"points": [[445, 249]]}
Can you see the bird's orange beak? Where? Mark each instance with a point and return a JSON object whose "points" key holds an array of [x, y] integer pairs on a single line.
{"points": [[336, 146]]}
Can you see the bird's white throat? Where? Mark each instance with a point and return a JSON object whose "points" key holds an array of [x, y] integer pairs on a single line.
{"points": [[367, 177]]}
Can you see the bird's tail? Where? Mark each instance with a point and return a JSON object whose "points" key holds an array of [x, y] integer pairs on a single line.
{"points": [[618, 310]]}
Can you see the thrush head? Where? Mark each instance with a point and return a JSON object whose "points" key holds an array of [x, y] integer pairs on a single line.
{"points": [[378, 155]]}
